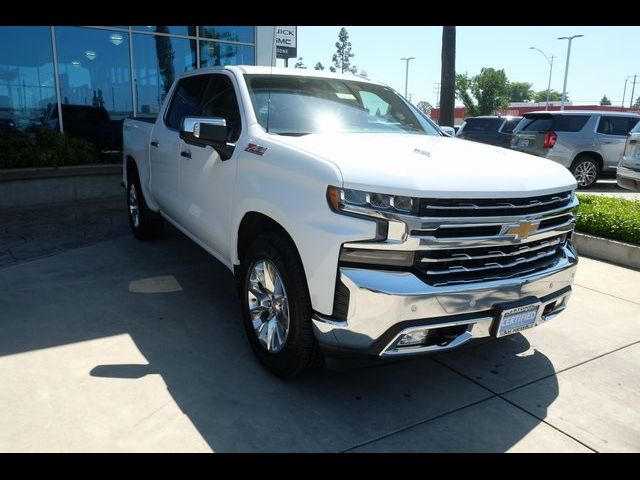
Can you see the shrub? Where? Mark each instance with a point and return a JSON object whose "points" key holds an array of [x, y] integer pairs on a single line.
{"points": [[46, 148], [614, 218]]}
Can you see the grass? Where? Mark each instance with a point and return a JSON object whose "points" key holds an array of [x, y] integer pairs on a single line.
{"points": [[613, 218]]}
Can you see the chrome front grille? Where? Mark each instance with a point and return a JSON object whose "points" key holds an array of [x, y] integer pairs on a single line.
{"points": [[489, 207], [473, 264]]}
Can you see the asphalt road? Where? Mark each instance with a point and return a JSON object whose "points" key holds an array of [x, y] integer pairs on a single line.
{"points": [[610, 188]]}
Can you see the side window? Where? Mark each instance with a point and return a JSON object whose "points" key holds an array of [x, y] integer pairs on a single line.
{"points": [[633, 123], [509, 125], [614, 125], [186, 100], [219, 100], [569, 123]]}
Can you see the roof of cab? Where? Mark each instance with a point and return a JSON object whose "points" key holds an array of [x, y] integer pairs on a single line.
{"points": [[297, 72]]}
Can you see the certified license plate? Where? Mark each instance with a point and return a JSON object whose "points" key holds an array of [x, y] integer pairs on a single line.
{"points": [[523, 142], [516, 319]]}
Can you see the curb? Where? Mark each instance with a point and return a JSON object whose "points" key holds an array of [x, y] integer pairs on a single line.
{"points": [[612, 251]]}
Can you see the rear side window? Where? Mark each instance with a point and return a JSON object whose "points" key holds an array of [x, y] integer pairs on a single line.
{"points": [[558, 123], [535, 124], [569, 123], [509, 125], [482, 124], [186, 100], [610, 125]]}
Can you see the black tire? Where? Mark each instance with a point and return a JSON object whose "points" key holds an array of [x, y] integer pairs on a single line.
{"points": [[581, 168], [149, 224], [300, 351]]}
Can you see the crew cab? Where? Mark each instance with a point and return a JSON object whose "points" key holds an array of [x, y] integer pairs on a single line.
{"points": [[352, 223]]}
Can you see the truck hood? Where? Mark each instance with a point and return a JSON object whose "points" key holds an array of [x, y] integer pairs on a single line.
{"points": [[426, 165]]}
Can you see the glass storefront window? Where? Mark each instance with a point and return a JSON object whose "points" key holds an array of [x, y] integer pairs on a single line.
{"points": [[244, 34], [158, 61], [27, 83], [94, 69], [219, 54], [191, 31], [95, 84]]}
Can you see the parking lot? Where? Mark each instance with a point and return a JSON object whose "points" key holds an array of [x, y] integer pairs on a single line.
{"points": [[110, 344]]}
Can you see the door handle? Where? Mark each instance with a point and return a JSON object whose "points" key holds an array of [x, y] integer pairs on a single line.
{"points": [[154, 143], [185, 154], [607, 142]]}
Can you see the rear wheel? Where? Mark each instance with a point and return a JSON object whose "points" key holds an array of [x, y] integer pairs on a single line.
{"points": [[276, 307], [586, 171], [145, 223]]}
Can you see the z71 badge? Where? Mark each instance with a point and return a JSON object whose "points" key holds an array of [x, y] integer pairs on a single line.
{"points": [[257, 149]]}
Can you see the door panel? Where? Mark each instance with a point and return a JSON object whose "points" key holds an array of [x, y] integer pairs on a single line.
{"points": [[206, 184], [165, 169], [612, 134], [165, 143], [206, 181]]}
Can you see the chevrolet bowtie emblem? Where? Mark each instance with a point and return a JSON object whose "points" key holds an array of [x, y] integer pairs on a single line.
{"points": [[523, 230]]}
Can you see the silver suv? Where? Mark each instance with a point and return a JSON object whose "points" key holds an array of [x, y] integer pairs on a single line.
{"points": [[589, 143]]}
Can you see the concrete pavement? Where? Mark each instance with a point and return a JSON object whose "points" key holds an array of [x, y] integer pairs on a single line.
{"points": [[125, 346]]}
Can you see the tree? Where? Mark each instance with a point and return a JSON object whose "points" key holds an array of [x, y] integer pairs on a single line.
{"points": [[341, 59], [483, 93], [448, 76], [554, 96], [319, 66], [605, 100], [425, 107], [299, 63], [636, 106], [520, 91]]}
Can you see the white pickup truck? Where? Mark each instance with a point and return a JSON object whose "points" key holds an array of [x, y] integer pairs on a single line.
{"points": [[352, 223]]}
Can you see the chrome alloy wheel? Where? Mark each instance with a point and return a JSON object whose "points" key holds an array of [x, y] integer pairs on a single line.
{"points": [[134, 210], [268, 306], [585, 173]]}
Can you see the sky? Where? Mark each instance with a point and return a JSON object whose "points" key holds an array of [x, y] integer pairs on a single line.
{"points": [[599, 63]]}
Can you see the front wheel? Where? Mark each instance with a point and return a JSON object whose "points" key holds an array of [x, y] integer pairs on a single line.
{"points": [[586, 171], [276, 307]]}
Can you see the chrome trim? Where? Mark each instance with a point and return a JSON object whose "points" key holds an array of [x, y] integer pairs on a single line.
{"points": [[491, 265], [493, 254], [401, 241], [192, 124], [380, 299], [479, 327], [469, 205]]}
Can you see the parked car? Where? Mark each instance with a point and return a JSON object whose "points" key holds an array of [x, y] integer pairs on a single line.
{"points": [[588, 143], [88, 122], [491, 129], [628, 174], [352, 224]]}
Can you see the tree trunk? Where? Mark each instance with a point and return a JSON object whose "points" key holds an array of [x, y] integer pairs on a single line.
{"points": [[448, 77]]}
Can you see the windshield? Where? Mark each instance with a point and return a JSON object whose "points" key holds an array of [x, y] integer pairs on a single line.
{"points": [[290, 105]]}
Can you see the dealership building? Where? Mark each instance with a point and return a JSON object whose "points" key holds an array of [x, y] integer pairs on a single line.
{"points": [[128, 70]]}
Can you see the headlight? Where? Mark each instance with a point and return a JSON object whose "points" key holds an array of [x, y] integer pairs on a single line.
{"points": [[358, 201]]}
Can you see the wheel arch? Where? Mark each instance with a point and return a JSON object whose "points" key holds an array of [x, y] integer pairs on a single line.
{"points": [[589, 153]]}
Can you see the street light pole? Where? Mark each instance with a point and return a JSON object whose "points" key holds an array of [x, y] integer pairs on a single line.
{"points": [[633, 89], [624, 94], [406, 76], [550, 62], [566, 68]]}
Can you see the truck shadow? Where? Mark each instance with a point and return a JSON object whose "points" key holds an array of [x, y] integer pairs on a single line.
{"points": [[180, 308], [199, 348]]}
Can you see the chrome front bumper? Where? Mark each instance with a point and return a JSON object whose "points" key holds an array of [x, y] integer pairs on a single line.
{"points": [[385, 304]]}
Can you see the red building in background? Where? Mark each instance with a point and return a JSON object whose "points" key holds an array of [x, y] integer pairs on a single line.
{"points": [[522, 108]]}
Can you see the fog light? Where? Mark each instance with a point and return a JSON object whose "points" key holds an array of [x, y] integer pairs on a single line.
{"points": [[416, 337]]}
